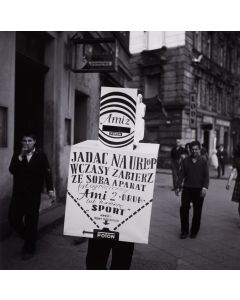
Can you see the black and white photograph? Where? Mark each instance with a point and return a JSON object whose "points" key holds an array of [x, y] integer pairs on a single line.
{"points": [[120, 150]]}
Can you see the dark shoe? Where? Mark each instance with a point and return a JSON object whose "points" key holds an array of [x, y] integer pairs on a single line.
{"points": [[27, 255], [28, 251], [193, 235], [183, 235], [79, 240]]}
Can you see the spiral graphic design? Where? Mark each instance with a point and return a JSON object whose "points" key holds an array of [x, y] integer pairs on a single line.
{"points": [[120, 108]]}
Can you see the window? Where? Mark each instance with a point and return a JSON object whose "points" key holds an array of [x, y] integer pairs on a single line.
{"points": [[3, 126], [238, 63], [214, 98], [228, 103], [207, 94], [197, 40], [229, 59], [209, 44], [67, 133], [151, 86], [197, 88], [219, 100], [224, 103], [221, 54]]}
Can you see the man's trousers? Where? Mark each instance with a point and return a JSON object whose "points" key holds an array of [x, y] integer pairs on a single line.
{"points": [[23, 217], [191, 195], [99, 250]]}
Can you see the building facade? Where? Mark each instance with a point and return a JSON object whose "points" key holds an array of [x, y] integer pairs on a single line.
{"points": [[195, 76], [39, 92]]}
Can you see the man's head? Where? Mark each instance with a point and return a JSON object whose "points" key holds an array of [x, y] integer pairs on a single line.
{"points": [[28, 142], [195, 147], [221, 147], [178, 143]]}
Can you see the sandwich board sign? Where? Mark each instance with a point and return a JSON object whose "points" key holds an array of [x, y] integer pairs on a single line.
{"points": [[110, 184]]}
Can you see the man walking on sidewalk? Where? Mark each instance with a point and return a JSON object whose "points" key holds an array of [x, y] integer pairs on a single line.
{"points": [[176, 153], [221, 155], [30, 168], [193, 180]]}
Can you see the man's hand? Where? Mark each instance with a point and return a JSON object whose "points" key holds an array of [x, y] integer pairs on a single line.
{"points": [[177, 191], [23, 152], [52, 196], [203, 192], [228, 186]]}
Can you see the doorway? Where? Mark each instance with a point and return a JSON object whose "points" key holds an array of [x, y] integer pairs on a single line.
{"points": [[80, 117], [29, 88], [206, 139]]}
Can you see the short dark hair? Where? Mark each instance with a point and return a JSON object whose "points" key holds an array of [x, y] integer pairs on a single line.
{"points": [[30, 134], [195, 143]]}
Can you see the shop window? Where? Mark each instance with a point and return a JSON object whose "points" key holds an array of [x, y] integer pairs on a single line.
{"points": [[3, 126], [67, 133]]}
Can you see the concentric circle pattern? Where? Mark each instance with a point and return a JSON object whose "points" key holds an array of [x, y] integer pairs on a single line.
{"points": [[117, 119]]}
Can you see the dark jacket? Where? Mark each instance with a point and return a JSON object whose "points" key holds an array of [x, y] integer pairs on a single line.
{"points": [[29, 177], [193, 175], [176, 153], [222, 155]]}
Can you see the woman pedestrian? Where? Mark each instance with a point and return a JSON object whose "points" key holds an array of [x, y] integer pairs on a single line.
{"points": [[235, 170]]}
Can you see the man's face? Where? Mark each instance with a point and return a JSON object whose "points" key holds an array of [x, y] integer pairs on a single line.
{"points": [[28, 143], [178, 143], [195, 151]]}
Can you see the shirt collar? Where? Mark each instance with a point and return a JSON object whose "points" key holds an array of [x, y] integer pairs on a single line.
{"points": [[31, 153]]}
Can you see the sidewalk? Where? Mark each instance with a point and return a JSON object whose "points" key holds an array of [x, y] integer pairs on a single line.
{"points": [[54, 214], [216, 247], [212, 172], [51, 215]]}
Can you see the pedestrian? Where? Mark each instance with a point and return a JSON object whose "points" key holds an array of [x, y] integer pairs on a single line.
{"points": [[235, 171], [99, 251], [214, 159], [186, 152], [221, 155], [176, 155], [193, 181], [29, 168], [187, 149], [203, 152]]}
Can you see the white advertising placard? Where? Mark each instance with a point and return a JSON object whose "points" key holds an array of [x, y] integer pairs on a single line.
{"points": [[110, 192]]}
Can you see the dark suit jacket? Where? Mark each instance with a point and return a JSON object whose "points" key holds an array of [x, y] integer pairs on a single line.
{"points": [[29, 177]]}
